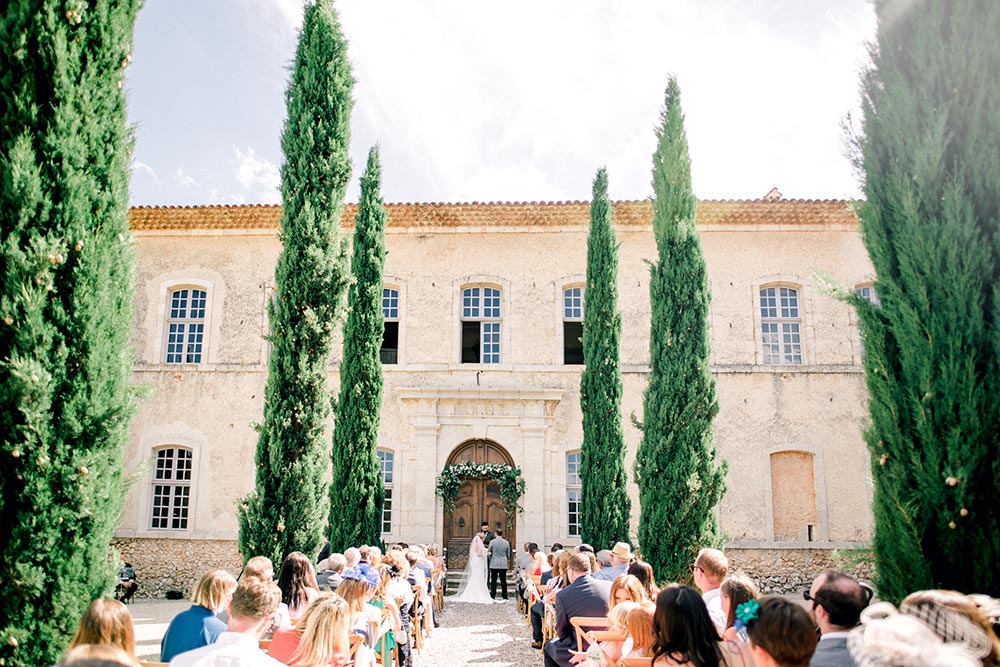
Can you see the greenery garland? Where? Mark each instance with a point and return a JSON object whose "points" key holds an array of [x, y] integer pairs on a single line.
{"points": [[508, 477]]}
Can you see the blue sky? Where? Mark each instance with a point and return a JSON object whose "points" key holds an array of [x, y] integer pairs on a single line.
{"points": [[514, 101]]}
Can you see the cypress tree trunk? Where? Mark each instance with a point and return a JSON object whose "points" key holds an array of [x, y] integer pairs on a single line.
{"points": [[680, 481], [66, 266], [286, 510], [931, 160], [356, 493], [606, 504]]}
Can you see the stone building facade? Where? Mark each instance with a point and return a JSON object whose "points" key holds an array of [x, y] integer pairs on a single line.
{"points": [[482, 304]]}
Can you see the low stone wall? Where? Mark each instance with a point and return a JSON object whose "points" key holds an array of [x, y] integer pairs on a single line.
{"points": [[163, 565], [793, 570]]}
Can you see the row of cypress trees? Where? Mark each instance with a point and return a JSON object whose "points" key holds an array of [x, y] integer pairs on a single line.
{"points": [[292, 498], [680, 482]]}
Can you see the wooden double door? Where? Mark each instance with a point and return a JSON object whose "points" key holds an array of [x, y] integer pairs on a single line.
{"points": [[478, 501]]}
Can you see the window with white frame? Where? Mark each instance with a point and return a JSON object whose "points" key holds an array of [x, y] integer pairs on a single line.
{"points": [[481, 325], [186, 326], [573, 326], [171, 488], [867, 292], [389, 352], [573, 494], [385, 460], [781, 325]]}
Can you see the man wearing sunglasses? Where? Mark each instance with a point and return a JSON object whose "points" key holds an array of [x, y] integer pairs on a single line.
{"points": [[836, 601]]}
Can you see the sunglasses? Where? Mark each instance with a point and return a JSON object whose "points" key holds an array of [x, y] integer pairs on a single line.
{"points": [[693, 567]]}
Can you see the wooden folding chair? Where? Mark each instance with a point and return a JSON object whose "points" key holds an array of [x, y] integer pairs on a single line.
{"points": [[264, 644], [549, 622], [635, 662], [145, 663], [384, 654], [437, 576], [584, 624], [416, 621]]}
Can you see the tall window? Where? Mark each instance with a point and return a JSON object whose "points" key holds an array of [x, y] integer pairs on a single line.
{"points": [[573, 326], [481, 325], [186, 326], [867, 292], [573, 497], [171, 488], [781, 325], [389, 353], [385, 460]]}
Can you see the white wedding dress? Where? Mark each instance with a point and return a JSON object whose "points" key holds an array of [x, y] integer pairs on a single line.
{"points": [[473, 588]]}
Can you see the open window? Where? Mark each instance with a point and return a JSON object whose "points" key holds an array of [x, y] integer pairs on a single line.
{"points": [[481, 325]]}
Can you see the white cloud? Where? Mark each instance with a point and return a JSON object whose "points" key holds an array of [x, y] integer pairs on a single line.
{"points": [[145, 168], [185, 179], [259, 175]]}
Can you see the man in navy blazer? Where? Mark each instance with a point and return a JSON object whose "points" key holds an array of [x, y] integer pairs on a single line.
{"points": [[584, 596]]}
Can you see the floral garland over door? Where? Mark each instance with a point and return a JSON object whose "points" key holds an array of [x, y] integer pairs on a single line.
{"points": [[508, 477]]}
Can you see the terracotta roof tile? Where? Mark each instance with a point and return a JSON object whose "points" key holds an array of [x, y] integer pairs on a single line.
{"points": [[510, 214]]}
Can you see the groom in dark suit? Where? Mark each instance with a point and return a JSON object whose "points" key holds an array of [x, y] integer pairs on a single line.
{"points": [[584, 596]]}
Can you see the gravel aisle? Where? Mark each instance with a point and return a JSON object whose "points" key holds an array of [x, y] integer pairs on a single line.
{"points": [[484, 635]]}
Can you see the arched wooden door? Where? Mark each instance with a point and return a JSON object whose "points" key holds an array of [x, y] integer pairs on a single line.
{"points": [[478, 500]]}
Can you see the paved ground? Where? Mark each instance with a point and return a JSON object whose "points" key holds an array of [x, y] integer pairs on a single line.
{"points": [[470, 634], [151, 618]]}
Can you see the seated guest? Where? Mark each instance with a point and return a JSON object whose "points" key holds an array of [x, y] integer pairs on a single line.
{"points": [[260, 567], [887, 638], [556, 547], [956, 619], [735, 590], [199, 626], [285, 641], [401, 591], [541, 564], [328, 578], [127, 582], [603, 561], [297, 581], [358, 588], [583, 596], [685, 634], [639, 631], [98, 655], [385, 643], [326, 636], [709, 570], [549, 591], [352, 556], [254, 603], [781, 633], [526, 558], [644, 573], [836, 601], [106, 622], [611, 649], [626, 588]]}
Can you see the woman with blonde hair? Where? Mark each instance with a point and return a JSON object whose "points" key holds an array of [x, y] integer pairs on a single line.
{"points": [[199, 626], [626, 588], [106, 622], [285, 640], [326, 638]]}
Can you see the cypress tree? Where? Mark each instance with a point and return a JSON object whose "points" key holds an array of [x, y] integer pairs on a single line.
{"points": [[286, 510], [930, 156], [66, 267], [680, 481], [606, 504], [356, 493]]}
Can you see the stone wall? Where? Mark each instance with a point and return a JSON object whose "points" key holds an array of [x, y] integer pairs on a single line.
{"points": [[163, 565], [793, 570]]}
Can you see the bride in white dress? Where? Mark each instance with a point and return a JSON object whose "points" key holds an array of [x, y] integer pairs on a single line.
{"points": [[473, 588]]}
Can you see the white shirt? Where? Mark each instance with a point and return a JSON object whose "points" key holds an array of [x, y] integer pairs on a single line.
{"points": [[713, 600], [840, 634], [231, 649]]}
